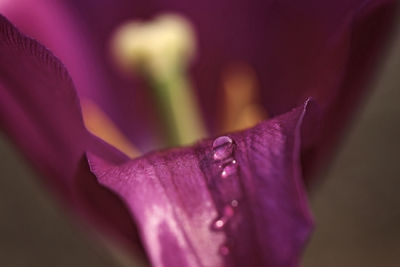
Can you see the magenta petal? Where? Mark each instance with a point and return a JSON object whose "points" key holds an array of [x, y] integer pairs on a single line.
{"points": [[324, 49], [364, 37], [39, 111], [39, 107], [85, 53], [177, 195]]}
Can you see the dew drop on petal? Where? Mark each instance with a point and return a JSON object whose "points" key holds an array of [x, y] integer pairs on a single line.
{"points": [[226, 161], [224, 250], [223, 147], [219, 224], [229, 169], [234, 203]]}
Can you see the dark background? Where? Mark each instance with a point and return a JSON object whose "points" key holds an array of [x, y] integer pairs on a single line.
{"points": [[356, 206]]}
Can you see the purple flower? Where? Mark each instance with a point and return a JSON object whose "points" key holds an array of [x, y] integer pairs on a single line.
{"points": [[246, 207], [193, 214]]}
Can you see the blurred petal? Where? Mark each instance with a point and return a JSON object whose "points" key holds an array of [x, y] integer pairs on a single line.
{"points": [[100, 125], [325, 49], [87, 58], [297, 49], [176, 195], [39, 111], [366, 41]]}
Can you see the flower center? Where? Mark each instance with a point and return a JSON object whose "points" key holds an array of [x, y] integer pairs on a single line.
{"points": [[160, 50]]}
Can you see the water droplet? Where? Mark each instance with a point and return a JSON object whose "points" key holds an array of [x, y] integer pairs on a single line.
{"points": [[229, 169], [223, 147], [234, 203], [224, 250], [226, 161], [219, 224]]}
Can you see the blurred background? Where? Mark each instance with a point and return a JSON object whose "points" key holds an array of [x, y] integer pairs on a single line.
{"points": [[356, 204]]}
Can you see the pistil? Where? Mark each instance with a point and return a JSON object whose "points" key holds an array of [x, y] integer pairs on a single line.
{"points": [[161, 51]]}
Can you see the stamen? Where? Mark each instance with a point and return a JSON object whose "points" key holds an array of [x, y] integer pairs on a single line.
{"points": [[161, 50], [100, 125], [241, 94]]}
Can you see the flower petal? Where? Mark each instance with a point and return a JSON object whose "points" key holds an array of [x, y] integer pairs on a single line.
{"points": [[39, 111], [297, 50], [365, 36], [84, 51], [177, 195], [327, 50]]}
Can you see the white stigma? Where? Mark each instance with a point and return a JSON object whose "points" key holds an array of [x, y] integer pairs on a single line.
{"points": [[155, 47]]}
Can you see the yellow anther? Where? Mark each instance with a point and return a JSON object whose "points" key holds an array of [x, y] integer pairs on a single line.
{"points": [[241, 109]]}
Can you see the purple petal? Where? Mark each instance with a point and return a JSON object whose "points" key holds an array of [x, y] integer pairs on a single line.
{"points": [[367, 34], [327, 50], [177, 195], [298, 49], [39, 111], [87, 57]]}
